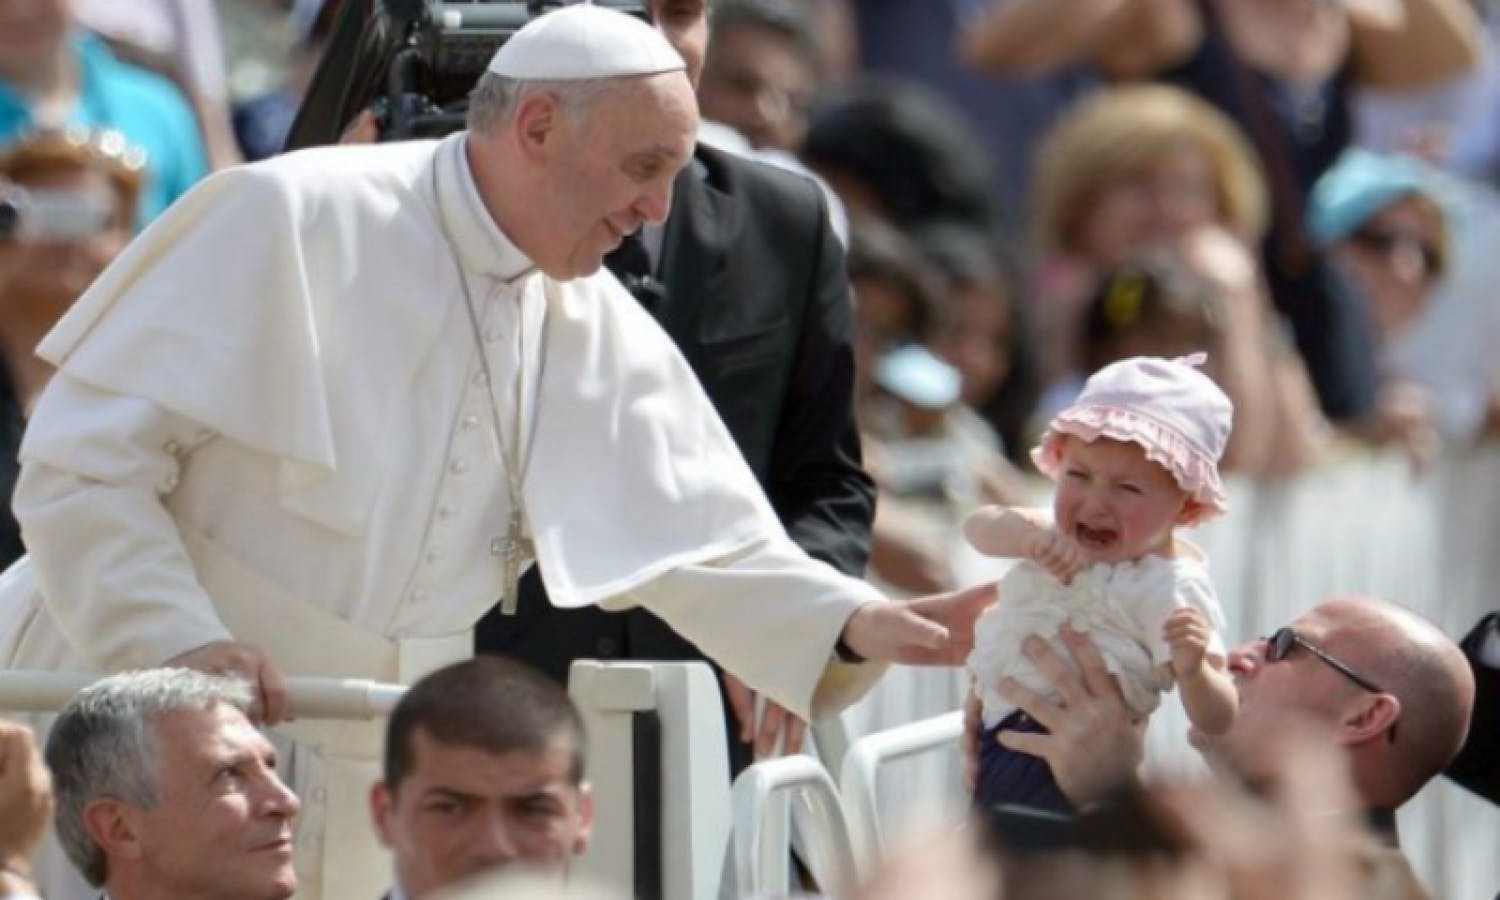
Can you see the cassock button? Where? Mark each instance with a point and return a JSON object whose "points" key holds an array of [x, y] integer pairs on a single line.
{"points": [[169, 482], [497, 545], [606, 648], [170, 448], [419, 596], [447, 511], [433, 555], [470, 422], [458, 467]]}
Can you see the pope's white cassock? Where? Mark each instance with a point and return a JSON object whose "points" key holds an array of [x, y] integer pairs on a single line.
{"points": [[272, 423]]}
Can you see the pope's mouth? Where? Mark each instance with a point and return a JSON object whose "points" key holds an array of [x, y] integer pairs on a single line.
{"points": [[1095, 538]]}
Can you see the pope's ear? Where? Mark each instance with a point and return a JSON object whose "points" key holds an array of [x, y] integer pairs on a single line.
{"points": [[537, 122]]}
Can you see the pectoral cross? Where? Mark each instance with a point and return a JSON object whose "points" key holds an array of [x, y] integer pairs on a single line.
{"points": [[514, 554]]}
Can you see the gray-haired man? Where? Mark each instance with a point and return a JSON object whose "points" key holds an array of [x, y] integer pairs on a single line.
{"points": [[165, 790]]}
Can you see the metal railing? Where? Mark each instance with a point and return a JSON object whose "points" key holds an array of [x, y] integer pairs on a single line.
{"points": [[344, 699], [762, 834], [858, 778]]}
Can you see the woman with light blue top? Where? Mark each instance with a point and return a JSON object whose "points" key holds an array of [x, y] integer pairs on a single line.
{"points": [[53, 76]]}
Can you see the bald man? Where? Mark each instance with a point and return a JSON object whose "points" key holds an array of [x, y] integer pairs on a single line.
{"points": [[1392, 689]]}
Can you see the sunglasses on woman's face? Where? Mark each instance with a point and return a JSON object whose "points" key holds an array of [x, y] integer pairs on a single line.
{"points": [[1278, 645], [1387, 243]]}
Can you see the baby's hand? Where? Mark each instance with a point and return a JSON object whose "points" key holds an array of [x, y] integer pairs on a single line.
{"points": [[1186, 632], [1055, 552]]}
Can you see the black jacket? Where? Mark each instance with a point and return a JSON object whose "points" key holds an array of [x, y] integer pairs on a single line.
{"points": [[1478, 764]]}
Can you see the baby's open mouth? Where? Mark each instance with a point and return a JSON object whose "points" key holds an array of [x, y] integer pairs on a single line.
{"points": [[1094, 538]]}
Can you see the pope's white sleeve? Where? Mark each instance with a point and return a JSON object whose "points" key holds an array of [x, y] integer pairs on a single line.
{"points": [[771, 615], [94, 469]]}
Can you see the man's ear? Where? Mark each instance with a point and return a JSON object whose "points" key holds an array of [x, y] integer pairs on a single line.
{"points": [[1373, 717], [537, 123], [586, 816], [382, 807], [116, 827]]}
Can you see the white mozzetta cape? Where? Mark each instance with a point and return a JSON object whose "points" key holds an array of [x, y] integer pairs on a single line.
{"points": [[278, 383]]}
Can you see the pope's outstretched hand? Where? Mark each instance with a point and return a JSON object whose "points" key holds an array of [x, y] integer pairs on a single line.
{"points": [[927, 631]]}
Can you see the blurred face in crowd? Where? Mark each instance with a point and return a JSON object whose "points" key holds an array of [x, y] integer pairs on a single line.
{"points": [[222, 824], [758, 82], [976, 341], [1161, 202], [1117, 504], [597, 171], [463, 810], [30, 32], [1395, 259], [684, 23], [882, 319], [50, 273]]}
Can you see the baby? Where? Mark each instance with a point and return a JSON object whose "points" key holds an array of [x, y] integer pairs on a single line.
{"points": [[1134, 457]]}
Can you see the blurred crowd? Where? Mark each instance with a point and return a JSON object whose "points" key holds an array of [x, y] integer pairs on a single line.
{"points": [[1027, 191]]}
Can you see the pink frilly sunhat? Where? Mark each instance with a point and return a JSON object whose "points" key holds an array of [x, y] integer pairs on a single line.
{"points": [[1167, 406]]}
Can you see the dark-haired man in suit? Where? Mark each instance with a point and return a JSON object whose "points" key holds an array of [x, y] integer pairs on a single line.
{"points": [[748, 279]]}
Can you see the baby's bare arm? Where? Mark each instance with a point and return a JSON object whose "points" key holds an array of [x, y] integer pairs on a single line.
{"points": [[1209, 697], [1208, 692], [1003, 530]]}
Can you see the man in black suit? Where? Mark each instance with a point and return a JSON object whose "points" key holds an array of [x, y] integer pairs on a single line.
{"points": [[749, 281], [1478, 764]]}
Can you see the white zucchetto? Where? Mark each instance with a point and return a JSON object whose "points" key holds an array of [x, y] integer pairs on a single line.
{"points": [[581, 42]]}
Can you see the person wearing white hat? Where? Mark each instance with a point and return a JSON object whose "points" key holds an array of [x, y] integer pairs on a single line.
{"points": [[748, 278], [1135, 457], [319, 418]]}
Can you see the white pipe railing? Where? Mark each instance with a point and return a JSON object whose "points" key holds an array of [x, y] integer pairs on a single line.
{"points": [[762, 845], [858, 778], [307, 698]]}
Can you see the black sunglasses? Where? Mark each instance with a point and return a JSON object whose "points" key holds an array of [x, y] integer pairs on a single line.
{"points": [[1278, 645], [1385, 243]]}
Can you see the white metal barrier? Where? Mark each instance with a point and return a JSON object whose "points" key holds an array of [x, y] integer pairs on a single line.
{"points": [[694, 784], [859, 777], [762, 836], [344, 699]]}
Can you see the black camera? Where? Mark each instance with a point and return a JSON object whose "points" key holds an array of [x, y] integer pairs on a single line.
{"points": [[413, 62]]}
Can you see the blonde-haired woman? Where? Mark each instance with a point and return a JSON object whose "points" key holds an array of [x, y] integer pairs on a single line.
{"points": [[1152, 168]]}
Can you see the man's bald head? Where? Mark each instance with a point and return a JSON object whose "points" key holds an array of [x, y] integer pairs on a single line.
{"points": [[1397, 738], [1424, 669]]}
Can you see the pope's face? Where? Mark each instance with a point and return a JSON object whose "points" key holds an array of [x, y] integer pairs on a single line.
{"points": [[613, 168]]}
